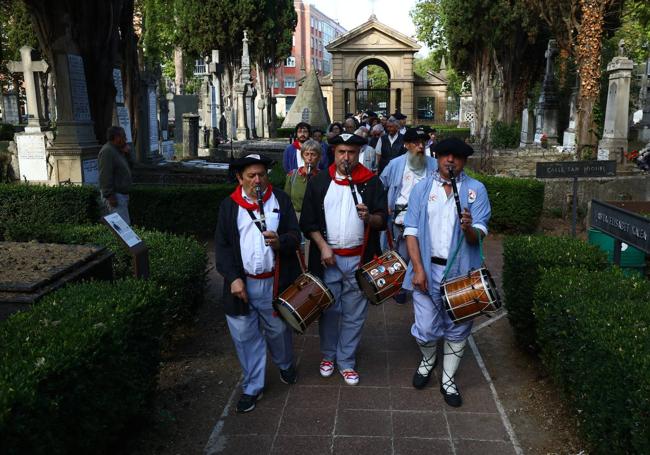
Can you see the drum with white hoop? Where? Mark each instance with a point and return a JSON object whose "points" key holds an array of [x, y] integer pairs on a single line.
{"points": [[468, 296], [303, 302]]}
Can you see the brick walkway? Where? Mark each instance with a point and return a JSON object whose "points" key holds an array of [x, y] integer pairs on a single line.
{"points": [[384, 414]]}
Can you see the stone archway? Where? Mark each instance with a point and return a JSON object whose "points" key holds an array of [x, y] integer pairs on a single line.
{"points": [[373, 42], [371, 95]]}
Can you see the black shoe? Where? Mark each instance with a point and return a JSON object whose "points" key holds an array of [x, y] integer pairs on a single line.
{"points": [[400, 297], [452, 399], [247, 402], [289, 376], [420, 380]]}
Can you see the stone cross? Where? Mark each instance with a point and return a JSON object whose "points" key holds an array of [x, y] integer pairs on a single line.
{"points": [[29, 68], [550, 53]]}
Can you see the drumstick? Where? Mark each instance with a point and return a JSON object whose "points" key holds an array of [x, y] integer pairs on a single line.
{"points": [[454, 188]]}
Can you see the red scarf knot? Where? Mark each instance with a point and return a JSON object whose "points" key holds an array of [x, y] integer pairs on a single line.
{"points": [[297, 144], [243, 203], [303, 171], [360, 174]]}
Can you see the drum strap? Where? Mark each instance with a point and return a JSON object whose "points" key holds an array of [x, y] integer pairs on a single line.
{"points": [[301, 260], [450, 262], [366, 234], [389, 237]]}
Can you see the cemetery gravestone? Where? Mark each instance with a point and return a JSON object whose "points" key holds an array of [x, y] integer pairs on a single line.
{"points": [[183, 104], [548, 103], [190, 135], [10, 109], [527, 128], [30, 69]]}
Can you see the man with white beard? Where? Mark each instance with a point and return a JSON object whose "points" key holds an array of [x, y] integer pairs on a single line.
{"points": [[399, 178]]}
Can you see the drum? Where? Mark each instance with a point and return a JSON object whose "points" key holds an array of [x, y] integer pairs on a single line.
{"points": [[382, 278], [468, 296], [303, 302]]}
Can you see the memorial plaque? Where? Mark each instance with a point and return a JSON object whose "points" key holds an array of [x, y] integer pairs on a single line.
{"points": [[124, 121], [119, 88], [78, 89], [123, 230], [90, 171], [10, 109], [153, 120], [31, 156], [168, 150], [580, 169], [621, 224]]}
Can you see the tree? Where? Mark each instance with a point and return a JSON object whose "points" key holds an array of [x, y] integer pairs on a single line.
{"points": [[15, 31], [495, 43], [579, 27], [377, 77]]}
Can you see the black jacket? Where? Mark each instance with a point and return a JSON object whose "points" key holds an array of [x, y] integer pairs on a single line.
{"points": [[228, 259], [388, 151], [312, 217]]}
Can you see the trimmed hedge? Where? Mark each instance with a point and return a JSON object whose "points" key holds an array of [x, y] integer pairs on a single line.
{"points": [[516, 203], [524, 258], [192, 209], [596, 346], [31, 204], [81, 365]]}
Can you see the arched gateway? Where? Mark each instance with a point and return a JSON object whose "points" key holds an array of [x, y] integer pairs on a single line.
{"points": [[374, 43]]}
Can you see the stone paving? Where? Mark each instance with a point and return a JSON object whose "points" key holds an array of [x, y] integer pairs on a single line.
{"points": [[384, 414]]}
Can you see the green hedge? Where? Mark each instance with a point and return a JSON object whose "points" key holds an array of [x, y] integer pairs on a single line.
{"points": [[504, 135], [31, 204], [593, 330], [516, 203], [81, 366], [524, 258]]}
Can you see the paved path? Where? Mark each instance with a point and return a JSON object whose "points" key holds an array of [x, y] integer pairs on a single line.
{"points": [[384, 414]]}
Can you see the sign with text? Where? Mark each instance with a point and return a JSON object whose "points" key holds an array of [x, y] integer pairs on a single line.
{"points": [[78, 89], [621, 224], [130, 239], [32, 160], [122, 229], [580, 169], [90, 169]]}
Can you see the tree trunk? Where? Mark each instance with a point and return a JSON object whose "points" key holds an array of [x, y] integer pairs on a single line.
{"points": [[588, 48], [179, 70], [481, 93]]}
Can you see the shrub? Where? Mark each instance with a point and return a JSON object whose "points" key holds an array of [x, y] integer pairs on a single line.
{"points": [[524, 258], [188, 209], [516, 203], [284, 132], [33, 204], [596, 346], [505, 135], [79, 367], [446, 132]]}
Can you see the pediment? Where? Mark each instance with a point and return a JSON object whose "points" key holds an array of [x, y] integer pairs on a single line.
{"points": [[375, 36]]}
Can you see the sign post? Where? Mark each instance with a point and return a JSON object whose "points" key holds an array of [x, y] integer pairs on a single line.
{"points": [[575, 169], [621, 224], [130, 240]]}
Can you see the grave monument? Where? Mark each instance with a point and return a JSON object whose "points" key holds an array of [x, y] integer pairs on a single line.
{"points": [[527, 136], [569, 137], [614, 141], [242, 90], [10, 108], [309, 105], [547, 114]]}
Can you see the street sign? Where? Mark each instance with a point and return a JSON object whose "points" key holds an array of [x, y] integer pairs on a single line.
{"points": [[621, 224], [573, 169]]}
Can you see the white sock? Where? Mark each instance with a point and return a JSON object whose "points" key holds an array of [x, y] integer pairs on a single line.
{"points": [[428, 358], [453, 352]]}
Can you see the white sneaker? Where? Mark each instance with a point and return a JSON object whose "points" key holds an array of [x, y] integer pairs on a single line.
{"points": [[351, 377], [326, 368]]}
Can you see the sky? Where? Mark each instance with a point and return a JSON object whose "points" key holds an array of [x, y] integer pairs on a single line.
{"points": [[352, 13]]}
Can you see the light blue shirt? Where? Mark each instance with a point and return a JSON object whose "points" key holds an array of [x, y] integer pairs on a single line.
{"points": [[474, 197]]}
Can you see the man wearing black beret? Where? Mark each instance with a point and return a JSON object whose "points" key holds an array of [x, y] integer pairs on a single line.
{"points": [[443, 245], [255, 242], [343, 212]]}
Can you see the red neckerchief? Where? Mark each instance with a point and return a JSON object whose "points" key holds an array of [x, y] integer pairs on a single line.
{"points": [[360, 174], [296, 144], [303, 171], [243, 203]]}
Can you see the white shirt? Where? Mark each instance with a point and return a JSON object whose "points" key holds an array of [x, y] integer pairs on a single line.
{"points": [[299, 159], [391, 139], [344, 227], [442, 219], [409, 179], [256, 256]]}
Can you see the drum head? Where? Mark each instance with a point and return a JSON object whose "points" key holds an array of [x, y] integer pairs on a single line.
{"points": [[289, 315], [365, 284], [493, 292]]}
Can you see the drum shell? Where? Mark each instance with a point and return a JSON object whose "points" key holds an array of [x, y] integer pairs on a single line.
{"points": [[469, 296], [382, 278], [303, 302]]}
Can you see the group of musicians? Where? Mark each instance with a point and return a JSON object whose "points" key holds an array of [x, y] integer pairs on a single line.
{"points": [[344, 212]]}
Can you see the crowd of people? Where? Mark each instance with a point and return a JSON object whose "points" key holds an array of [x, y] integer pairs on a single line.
{"points": [[347, 191]]}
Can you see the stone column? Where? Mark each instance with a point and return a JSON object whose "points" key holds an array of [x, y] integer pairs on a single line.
{"points": [[614, 141], [527, 128], [242, 128], [190, 135]]}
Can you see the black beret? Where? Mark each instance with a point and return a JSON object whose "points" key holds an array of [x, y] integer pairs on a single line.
{"points": [[371, 114], [240, 163], [414, 134], [453, 146], [399, 116], [347, 138]]}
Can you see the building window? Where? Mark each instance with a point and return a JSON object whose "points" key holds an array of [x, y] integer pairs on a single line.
{"points": [[426, 108], [276, 84], [290, 62], [289, 82]]}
